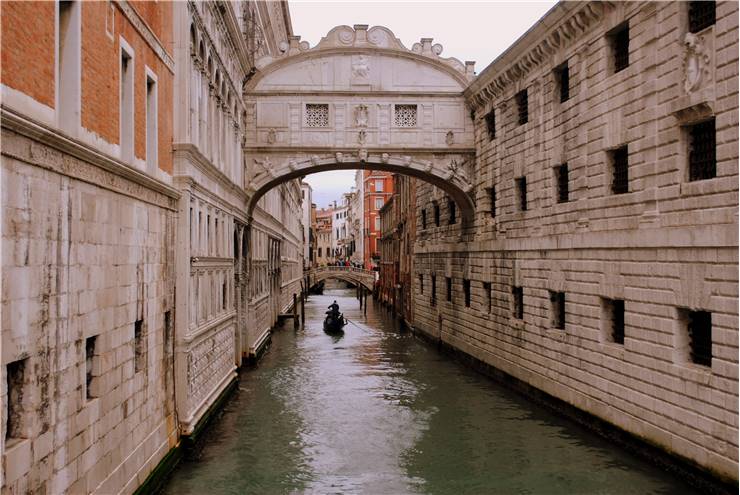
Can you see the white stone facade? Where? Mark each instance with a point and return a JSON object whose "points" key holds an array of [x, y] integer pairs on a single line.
{"points": [[667, 246]]}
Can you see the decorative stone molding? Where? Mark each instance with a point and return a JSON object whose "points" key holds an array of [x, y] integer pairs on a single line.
{"points": [[143, 29], [510, 67]]}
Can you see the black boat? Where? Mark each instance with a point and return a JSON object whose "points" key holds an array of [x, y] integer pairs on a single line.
{"points": [[334, 323]]}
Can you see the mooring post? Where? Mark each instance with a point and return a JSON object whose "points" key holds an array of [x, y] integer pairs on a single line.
{"points": [[295, 310], [303, 312], [365, 307]]}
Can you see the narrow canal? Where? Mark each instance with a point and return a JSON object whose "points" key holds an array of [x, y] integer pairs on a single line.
{"points": [[378, 411]]}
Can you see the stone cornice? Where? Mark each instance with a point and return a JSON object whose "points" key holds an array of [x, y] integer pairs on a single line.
{"points": [[146, 32], [563, 25], [204, 165], [54, 139]]}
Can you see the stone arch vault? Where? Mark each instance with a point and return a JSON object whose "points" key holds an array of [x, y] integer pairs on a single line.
{"points": [[360, 100]]}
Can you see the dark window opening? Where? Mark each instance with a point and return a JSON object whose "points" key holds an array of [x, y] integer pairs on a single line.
{"points": [[620, 42], [421, 284], [620, 174], [434, 290], [491, 124], [223, 296], [563, 78], [521, 187], [487, 291], [557, 300], [466, 290], [615, 313], [424, 218], [16, 383], [492, 199], [702, 151], [89, 366], [562, 176], [700, 337], [168, 333], [518, 294], [701, 15], [452, 207], [436, 214], [522, 106], [449, 288], [139, 346]]}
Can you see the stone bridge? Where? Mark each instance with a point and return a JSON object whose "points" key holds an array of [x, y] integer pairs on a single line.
{"points": [[351, 274]]}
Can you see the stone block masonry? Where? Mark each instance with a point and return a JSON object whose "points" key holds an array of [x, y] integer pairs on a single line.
{"points": [[662, 245]]}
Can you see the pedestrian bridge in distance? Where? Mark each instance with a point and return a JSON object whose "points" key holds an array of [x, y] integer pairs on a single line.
{"points": [[366, 278]]}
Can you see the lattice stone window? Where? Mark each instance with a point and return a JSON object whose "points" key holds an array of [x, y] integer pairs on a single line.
{"points": [[317, 115], [405, 116]]}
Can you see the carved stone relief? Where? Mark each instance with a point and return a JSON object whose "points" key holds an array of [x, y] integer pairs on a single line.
{"points": [[361, 116], [696, 62]]}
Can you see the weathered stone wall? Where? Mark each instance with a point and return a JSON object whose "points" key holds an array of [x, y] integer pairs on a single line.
{"points": [[86, 255], [666, 247]]}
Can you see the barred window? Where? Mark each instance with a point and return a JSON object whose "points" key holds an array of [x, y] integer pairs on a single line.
{"points": [[405, 116], [487, 291], [492, 199], [557, 309], [491, 124], [561, 172], [563, 78], [518, 295], [620, 170], [436, 214], [424, 218], [421, 284], [522, 106], [434, 290], [466, 290], [700, 337], [448, 280], [701, 15], [620, 43], [521, 187], [452, 207], [702, 151], [317, 115]]}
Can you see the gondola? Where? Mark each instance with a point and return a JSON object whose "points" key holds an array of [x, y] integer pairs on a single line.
{"points": [[334, 324]]}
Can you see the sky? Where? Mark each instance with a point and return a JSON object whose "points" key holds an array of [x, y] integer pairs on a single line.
{"points": [[478, 31]]}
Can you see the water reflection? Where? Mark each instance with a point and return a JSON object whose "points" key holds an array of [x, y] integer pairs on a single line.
{"points": [[376, 411]]}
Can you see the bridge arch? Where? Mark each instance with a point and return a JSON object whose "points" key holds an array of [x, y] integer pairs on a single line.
{"points": [[366, 278], [360, 99]]}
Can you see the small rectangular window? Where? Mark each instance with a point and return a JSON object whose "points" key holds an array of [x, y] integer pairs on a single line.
{"points": [[224, 296], [702, 151], [491, 124], [561, 172], [614, 320], [16, 420], [563, 79], [126, 116], [423, 218], [317, 115], [452, 208], [620, 170], [492, 200], [434, 291], [378, 186], [421, 284], [488, 296], [522, 106], [90, 367], [405, 116], [139, 346], [557, 310], [620, 45], [466, 291], [152, 137], [702, 14], [436, 214], [518, 296], [700, 337], [378, 203], [448, 280], [521, 188]]}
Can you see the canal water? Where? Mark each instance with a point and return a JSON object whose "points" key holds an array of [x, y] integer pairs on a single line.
{"points": [[377, 411]]}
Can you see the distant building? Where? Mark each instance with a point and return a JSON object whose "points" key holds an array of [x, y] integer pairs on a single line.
{"points": [[307, 202], [377, 189]]}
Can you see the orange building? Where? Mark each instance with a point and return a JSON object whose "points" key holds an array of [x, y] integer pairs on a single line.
{"points": [[377, 189]]}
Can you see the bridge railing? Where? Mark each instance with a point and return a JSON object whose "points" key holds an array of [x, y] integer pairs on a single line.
{"points": [[342, 269]]}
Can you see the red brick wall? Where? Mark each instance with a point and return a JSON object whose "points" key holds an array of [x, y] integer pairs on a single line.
{"points": [[101, 76], [28, 48]]}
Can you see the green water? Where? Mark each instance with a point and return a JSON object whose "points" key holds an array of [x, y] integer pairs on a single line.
{"points": [[377, 411]]}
